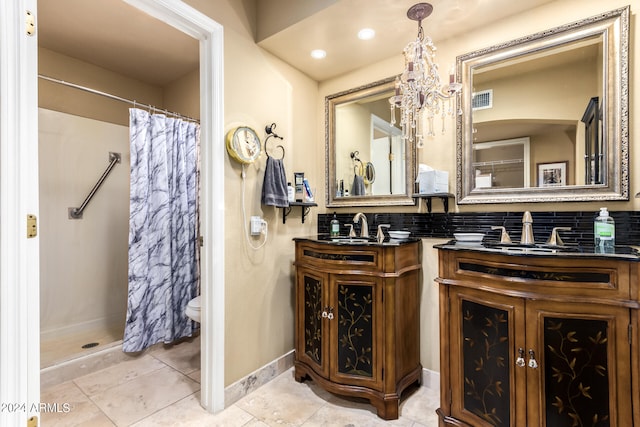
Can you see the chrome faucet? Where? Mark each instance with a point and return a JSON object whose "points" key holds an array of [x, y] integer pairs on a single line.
{"points": [[364, 229], [527, 229]]}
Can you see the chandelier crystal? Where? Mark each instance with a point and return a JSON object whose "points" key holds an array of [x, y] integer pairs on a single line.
{"points": [[418, 87]]}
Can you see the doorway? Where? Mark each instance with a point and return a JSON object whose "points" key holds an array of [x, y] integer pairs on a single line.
{"points": [[19, 177]]}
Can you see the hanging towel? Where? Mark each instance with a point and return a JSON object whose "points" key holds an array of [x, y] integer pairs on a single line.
{"points": [[357, 188], [274, 188]]}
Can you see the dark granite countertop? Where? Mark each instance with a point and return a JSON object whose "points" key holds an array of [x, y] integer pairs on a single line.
{"points": [[630, 253], [355, 241]]}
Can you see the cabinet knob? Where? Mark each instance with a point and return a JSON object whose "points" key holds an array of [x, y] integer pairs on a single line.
{"points": [[327, 313], [533, 364], [520, 360]]}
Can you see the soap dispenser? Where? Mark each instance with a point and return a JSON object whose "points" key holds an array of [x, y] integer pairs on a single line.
{"points": [[334, 227], [604, 232]]}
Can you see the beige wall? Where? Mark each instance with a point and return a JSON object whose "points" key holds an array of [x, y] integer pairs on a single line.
{"points": [[73, 101], [440, 151], [260, 90], [522, 96]]}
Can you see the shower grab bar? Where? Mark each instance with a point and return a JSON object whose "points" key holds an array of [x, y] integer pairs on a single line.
{"points": [[76, 213]]}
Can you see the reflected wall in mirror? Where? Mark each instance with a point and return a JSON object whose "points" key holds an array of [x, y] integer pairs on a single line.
{"points": [[368, 161], [558, 96]]}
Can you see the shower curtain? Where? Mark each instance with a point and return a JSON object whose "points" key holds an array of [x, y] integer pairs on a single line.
{"points": [[163, 264]]}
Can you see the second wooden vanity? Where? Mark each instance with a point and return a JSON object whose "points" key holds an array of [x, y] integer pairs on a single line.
{"points": [[357, 319], [538, 339]]}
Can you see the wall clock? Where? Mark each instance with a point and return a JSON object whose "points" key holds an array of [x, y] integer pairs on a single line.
{"points": [[243, 144]]}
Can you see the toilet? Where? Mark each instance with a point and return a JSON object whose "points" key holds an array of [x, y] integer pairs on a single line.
{"points": [[193, 309]]}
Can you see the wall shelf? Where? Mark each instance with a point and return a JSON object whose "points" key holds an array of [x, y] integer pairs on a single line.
{"points": [[442, 196], [305, 207]]}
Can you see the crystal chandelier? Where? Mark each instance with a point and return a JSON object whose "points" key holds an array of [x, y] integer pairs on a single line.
{"points": [[419, 87]]}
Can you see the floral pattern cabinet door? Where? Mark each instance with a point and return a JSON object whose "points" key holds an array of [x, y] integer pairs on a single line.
{"points": [[355, 351], [583, 353], [312, 293], [340, 322], [538, 363], [488, 388]]}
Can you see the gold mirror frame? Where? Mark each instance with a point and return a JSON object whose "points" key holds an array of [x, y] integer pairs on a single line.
{"points": [[613, 26], [372, 90]]}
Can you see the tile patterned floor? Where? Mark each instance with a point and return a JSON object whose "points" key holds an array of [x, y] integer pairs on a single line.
{"points": [[161, 388]]}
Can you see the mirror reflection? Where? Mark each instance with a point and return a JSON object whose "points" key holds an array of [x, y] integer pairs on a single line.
{"points": [[531, 107], [368, 161], [544, 116]]}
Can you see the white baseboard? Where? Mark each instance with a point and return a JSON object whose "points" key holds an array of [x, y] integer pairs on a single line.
{"points": [[431, 379]]}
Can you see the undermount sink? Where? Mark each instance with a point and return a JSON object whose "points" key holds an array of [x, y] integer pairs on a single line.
{"points": [[534, 247], [351, 240]]}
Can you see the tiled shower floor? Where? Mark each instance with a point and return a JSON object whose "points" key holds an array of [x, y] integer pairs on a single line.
{"points": [[63, 348], [162, 388]]}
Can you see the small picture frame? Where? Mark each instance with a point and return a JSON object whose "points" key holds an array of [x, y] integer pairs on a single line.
{"points": [[552, 174]]}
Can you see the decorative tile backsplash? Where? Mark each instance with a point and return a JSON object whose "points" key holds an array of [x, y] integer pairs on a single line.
{"points": [[443, 225]]}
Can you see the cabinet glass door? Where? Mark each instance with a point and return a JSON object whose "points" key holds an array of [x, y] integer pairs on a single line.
{"points": [[483, 358], [582, 348], [311, 320], [357, 355]]}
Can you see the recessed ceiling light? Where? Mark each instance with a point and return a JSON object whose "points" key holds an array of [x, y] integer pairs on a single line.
{"points": [[318, 53], [366, 34]]}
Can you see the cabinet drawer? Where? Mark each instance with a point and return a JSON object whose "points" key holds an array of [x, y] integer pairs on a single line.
{"points": [[575, 277], [335, 259]]}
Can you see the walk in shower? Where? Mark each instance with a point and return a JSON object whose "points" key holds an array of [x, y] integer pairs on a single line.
{"points": [[83, 270]]}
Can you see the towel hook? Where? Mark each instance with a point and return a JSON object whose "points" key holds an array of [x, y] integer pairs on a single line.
{"points": [[270, 133], [357, 169]]}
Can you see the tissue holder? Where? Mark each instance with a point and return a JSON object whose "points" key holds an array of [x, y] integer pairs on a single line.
{"points": [[433, 181]]}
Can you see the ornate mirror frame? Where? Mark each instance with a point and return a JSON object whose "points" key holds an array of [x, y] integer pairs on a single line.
{"points": [[613, 27], [372, 90]]}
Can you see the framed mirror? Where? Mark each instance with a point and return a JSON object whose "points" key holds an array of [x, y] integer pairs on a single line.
{"points": [[368, 163], [546, 116]]}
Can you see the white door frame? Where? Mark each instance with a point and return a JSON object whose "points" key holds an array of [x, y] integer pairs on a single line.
{"points": [[19, 256], [19, 262]]}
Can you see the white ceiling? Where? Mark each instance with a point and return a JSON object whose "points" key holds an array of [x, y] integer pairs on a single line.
{"points": [[118, 37]]}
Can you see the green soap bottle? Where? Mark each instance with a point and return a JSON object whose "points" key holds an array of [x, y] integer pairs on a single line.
{"points": [[604, 232], [334, 227]]}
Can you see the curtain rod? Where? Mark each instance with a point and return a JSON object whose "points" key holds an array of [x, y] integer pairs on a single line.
{"points": [[117, 98]]}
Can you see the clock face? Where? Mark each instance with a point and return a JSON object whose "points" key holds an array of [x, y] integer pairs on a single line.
{"points": [[243, 144]]}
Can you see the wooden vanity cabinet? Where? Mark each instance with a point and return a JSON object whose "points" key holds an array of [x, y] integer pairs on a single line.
{"points": [[357, 319], [537, 341]]}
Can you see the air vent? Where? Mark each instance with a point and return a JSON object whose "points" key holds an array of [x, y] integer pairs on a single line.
{"points": [[482, 100]]}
